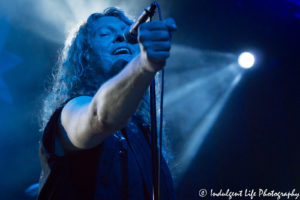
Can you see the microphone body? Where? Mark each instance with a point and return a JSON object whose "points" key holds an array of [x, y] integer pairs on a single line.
{"points": [[131, 32]]}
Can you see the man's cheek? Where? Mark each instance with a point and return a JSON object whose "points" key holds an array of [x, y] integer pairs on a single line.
{"points": [[107, 62], [101, 64]]}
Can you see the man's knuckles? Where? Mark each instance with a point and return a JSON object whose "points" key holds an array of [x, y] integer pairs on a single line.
{"points": [[157, 46], [157, 56], [153, 36], [170, 23], [160, 35], [153, 25], [161, 46]]}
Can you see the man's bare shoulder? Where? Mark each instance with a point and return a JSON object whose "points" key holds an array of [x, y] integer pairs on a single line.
{"points": [[75, 107], [75, 117], [78, 102], [82, 127]]}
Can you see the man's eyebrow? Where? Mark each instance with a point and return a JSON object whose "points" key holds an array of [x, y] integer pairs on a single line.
{"points": [[105, 27], [110, 27]]}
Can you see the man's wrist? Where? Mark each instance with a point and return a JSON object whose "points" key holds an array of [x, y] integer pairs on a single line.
{"points": [[145, 65]]}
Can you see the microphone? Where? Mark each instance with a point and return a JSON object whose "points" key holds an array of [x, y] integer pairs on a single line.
{"points": [[131, 32]]}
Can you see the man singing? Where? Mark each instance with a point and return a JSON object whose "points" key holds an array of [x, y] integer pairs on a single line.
{"points": [[96, 140]]}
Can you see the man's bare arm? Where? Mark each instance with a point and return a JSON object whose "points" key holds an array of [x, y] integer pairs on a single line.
{"points": [[89, 120]]}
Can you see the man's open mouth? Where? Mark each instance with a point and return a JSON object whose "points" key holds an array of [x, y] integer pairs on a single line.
{"points": [[121, 50]]}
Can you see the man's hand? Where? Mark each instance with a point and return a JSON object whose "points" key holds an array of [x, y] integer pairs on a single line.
{"points": [[155, 43]]}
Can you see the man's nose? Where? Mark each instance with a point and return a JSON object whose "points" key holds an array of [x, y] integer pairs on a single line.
{"points": [[119, 37]]}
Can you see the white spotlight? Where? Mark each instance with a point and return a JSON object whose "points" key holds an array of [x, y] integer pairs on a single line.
{"points": [[246, 60]]}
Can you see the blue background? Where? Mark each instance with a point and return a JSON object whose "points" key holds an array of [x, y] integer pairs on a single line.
{"points": [[254, 143]]}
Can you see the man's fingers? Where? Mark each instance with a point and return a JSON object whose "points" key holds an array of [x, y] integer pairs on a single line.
{"points": [[158, 46], [154, 36], [153, 25], [156, 57]]}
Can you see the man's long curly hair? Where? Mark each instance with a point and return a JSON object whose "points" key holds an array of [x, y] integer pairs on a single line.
{"points": [[75, 76]]}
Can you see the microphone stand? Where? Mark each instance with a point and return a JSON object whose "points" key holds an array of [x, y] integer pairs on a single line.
{"points": [[155, 148]]}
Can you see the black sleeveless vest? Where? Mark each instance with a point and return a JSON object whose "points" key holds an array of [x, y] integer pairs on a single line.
{"points": [[118, 168]]}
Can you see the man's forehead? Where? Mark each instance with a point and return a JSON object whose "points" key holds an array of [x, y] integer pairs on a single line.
{"points": [[109, 21]]}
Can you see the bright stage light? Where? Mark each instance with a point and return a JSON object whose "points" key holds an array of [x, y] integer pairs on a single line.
{"points": [[246, 60]]}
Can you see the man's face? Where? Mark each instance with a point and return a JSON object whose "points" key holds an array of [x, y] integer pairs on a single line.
{"points": [[108, 45]]}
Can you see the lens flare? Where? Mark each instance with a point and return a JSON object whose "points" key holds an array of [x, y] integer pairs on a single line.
{"points": [[246, 60]]}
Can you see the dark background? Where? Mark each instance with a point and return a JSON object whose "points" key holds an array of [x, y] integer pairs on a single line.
{"points": [[255, 140]]}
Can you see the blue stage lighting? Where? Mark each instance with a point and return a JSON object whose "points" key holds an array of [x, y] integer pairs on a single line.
{"points": [[246, 60]]}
